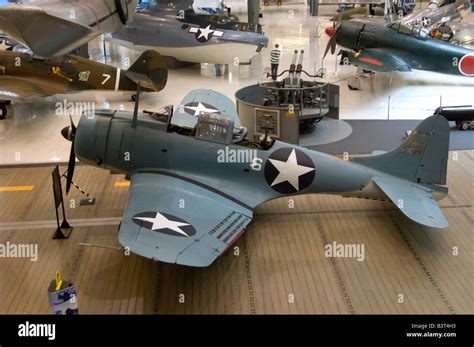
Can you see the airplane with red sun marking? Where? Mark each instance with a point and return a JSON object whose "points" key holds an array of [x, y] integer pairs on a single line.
{"points": [[379, 48]]}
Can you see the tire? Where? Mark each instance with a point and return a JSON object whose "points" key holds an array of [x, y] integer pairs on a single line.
{"points": [[122, 12], [3, 111]]}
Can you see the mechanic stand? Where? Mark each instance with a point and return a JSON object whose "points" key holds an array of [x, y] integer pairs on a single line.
{"points": [[63, 230]]}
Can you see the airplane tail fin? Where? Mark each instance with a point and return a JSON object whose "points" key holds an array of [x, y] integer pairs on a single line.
{"points": [[421, 158], [150, 70]]}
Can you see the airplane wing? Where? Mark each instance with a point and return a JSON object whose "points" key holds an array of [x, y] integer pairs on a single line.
{"points": [[203, 100], [415, 201], [379, 60], [177, 221], [51, 28], [17, 88]]}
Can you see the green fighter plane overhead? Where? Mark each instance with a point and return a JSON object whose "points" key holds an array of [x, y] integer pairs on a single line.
{"points": [[380, 48], [196, 178], [23, 76]]}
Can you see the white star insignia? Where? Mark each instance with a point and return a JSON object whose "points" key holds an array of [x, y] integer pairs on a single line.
{"points": [[205, 32], [289, 170], [4, 45], [161, 222], [201, 108]]}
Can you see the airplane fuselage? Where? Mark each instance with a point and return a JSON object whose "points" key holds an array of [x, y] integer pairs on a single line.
{"points": [[247, 175], [197, 40], [64, 74], [418, 53]]}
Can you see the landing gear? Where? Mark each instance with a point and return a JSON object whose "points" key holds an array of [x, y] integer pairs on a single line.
{"points": [[134, 97], [3, 109], [354, 82]]}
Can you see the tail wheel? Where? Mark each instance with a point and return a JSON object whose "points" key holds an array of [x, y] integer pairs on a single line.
{"points": [[3, 111], [122, 11]]}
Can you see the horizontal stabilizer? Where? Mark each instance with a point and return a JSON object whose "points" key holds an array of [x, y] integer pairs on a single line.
{"points": [[414, 200]]}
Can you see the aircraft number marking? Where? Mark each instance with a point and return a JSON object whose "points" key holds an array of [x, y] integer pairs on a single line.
{"points": [[256, 164], [17, 61], [180, 14], [106, 78], [455, 61]]}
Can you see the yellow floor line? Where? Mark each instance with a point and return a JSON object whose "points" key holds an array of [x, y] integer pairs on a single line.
{"points": [[122, 184], [15, 188]]}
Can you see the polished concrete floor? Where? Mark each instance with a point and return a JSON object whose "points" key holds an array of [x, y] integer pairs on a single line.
{"points": [[32, 132]]}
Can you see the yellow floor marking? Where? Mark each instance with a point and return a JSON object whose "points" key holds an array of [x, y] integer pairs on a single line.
{"points": [[15, 188], [122, 184]]}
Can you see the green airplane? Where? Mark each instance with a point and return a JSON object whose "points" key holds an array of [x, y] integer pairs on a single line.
{"points": [[24, 76], [380, 48], [196, 178]]}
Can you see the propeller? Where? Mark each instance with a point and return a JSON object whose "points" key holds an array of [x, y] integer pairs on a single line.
{"points": [[331, 32], [69, 133]]}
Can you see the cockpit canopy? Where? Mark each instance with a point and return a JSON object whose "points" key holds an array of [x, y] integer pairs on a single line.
{"points": [[418, 32], [216, 127]]}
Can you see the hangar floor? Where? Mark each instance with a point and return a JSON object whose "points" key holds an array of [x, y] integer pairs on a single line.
{"points": [[281, 256]]}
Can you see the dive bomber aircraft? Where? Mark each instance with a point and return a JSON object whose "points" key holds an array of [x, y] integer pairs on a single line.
{"points": [[187, 203]]}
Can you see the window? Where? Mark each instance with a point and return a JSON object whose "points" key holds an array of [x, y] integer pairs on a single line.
{"points": [[215, 128]]}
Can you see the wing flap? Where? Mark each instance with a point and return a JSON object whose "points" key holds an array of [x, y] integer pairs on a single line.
{"points": [[415, 201], [176, 221]]}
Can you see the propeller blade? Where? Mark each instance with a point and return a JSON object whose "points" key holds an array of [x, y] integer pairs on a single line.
{"points": [[73, 126], [70, 167], [331, 45], [339, 21]]}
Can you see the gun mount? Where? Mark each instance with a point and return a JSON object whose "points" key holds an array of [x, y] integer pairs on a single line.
{"points": [[288, 107]]}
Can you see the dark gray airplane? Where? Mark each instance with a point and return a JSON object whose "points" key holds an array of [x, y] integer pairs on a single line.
{"points": [[196, 178], [179, 32]]}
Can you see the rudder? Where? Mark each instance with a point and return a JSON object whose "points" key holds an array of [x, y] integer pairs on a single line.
{"points": [[150, 70]]}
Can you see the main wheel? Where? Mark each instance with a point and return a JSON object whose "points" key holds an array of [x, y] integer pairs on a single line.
{"points": [[3, 111]]}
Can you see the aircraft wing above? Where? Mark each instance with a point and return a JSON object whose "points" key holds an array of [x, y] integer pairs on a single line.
{"points": [[174, 220], [203, 100], [380, 60], [18, 88], [51, 28], [415, 201]]}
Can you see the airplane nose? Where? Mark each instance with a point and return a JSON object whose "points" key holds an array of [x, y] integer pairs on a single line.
{"points": [[67, 133], [330, 31]]}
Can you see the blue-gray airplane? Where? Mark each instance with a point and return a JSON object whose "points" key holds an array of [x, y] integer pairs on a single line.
{"points": [[196, 178], [180, 32]]}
